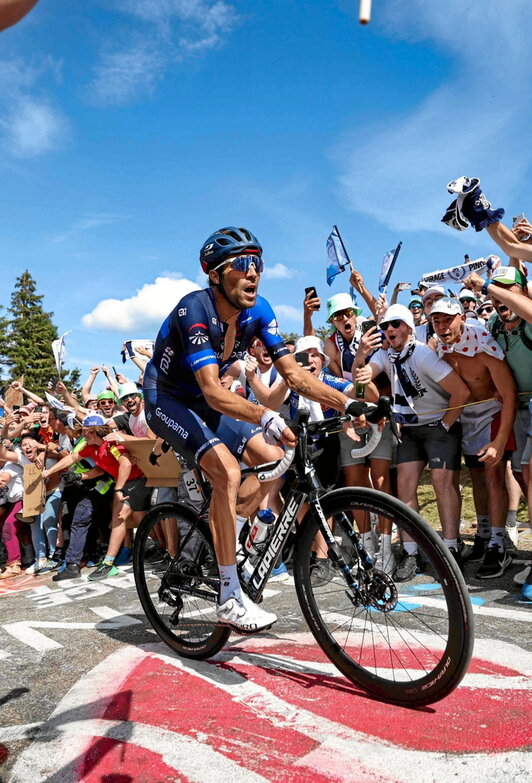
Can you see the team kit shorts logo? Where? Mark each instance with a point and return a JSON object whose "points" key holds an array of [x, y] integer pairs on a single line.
{"points": [[197, 337]]}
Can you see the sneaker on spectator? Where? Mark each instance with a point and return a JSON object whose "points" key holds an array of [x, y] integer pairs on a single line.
{"points": [[457, 556], [279, 574], [408, 567], [103, 571], [521, 577], [512, 533], [70, 571], [321, 571], [123, 557], [35, 566], [243, 616], [387, 565], [59, 554], [478, 550], [510, 541], [494, 564], [48, 565], [526, 590]]}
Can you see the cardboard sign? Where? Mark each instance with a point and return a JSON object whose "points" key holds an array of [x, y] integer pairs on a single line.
{"points": [[34, 491], [14, 397], [167, 471]]}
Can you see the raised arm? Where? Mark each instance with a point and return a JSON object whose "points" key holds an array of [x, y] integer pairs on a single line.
{"points": [[357, 281], [87, 386]]}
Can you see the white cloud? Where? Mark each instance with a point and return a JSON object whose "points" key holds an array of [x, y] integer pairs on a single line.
{"points": [[30, 124], [146, 310], [161, 33], [397, 171], [123, 75], [288, 313], [277, 272]]}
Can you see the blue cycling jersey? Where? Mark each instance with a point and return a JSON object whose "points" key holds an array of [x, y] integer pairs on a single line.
{"points": [[193, 336]]}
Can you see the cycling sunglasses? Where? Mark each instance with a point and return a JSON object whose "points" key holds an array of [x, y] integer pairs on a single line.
{"points": [[347, 313], [129, 396], [395, 324], [242, 264], [486, 309]]}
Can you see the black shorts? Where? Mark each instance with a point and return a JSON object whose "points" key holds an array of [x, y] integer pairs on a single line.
{"points": [[431, 444], [138, 494]]}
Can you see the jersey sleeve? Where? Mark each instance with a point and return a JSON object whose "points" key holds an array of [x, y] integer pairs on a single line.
{"points": [[192, 320], [268, 330]]}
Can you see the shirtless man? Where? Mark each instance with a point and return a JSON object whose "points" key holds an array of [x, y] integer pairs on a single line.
{"points": [[487, 427]]}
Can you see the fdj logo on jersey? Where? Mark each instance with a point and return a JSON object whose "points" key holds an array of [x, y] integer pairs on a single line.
{"points": [[197, 337]]}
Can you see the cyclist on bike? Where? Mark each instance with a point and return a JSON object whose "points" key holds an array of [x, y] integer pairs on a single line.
{"points": [[205, 423]]}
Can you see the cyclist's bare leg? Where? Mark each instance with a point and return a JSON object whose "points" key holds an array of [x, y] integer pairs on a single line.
{"points": [[223, 472], [252, 491]]}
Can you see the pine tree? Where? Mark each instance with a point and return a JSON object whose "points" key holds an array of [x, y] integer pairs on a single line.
{"points": [[4, 322], [28, 348]]}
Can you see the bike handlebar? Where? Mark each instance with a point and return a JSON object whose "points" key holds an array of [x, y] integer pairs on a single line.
{"points": [[281, 467]]}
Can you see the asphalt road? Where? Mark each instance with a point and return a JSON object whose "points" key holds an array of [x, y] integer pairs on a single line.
{"points": [[90, 694]]}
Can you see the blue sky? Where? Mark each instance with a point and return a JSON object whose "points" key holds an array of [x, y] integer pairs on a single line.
{"points": [[130, 129]]}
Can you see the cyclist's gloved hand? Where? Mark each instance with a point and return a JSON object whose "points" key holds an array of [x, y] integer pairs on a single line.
{"points": [[273, 426], [355, 408]]}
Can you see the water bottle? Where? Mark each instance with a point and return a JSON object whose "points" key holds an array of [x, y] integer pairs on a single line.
{"points": [[260, 530]]}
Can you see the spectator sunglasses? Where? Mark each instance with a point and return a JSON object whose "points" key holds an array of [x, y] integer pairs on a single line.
{"points": [[242, 264], [347, 313], [395, 324]]}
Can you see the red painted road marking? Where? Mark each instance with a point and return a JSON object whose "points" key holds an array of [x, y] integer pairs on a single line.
{"points": [[274, 710]]}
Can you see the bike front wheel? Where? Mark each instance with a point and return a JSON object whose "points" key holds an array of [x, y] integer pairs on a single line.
{"points": [[405, 642], [177, 580]]}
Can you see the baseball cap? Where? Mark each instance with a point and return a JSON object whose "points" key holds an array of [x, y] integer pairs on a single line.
{"points": [[416, 301], [447, 305], [508, 275], [93, 421], [310, 341], [128, 388], [341, 302], [398, 312], [467, 293], [434, 289]]}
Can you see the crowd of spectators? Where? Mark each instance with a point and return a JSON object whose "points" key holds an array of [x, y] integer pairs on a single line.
{"points": [[457, 365]]}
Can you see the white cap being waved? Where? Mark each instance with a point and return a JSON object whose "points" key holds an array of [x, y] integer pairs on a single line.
{"points": [[447, 306], [398, 312], [310, 341]]}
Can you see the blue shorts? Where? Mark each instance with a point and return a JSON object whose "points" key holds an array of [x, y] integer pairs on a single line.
{"points": [[192, 432]]}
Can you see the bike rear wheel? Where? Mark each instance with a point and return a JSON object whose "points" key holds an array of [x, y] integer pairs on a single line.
{"points": [[177, 580], [406, 642]]}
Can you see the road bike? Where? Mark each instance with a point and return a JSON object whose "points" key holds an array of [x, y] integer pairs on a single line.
{"points": [[406, 643]]}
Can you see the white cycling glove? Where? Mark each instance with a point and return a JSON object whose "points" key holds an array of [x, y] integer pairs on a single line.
{"points": [[272, 426]]}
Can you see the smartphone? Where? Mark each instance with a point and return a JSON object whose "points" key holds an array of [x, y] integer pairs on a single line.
{"points": [[115, 371], [302, 358], [53, 382], [311, 293], [367, 325], [518, 218], [405, 286]]}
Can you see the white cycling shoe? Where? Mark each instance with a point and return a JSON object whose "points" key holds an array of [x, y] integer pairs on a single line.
{"points": [[243, 616]]}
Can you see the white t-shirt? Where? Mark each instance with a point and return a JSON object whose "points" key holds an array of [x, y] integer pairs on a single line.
{"points": [[138, 425], [15, 489], [425, 370]]}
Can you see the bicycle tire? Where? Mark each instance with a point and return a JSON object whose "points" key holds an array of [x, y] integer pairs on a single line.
{"points": [[179, 600], [415, 652]]}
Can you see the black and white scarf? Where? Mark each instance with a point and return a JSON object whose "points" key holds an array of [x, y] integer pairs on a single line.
{"points": [[403, 390]]}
